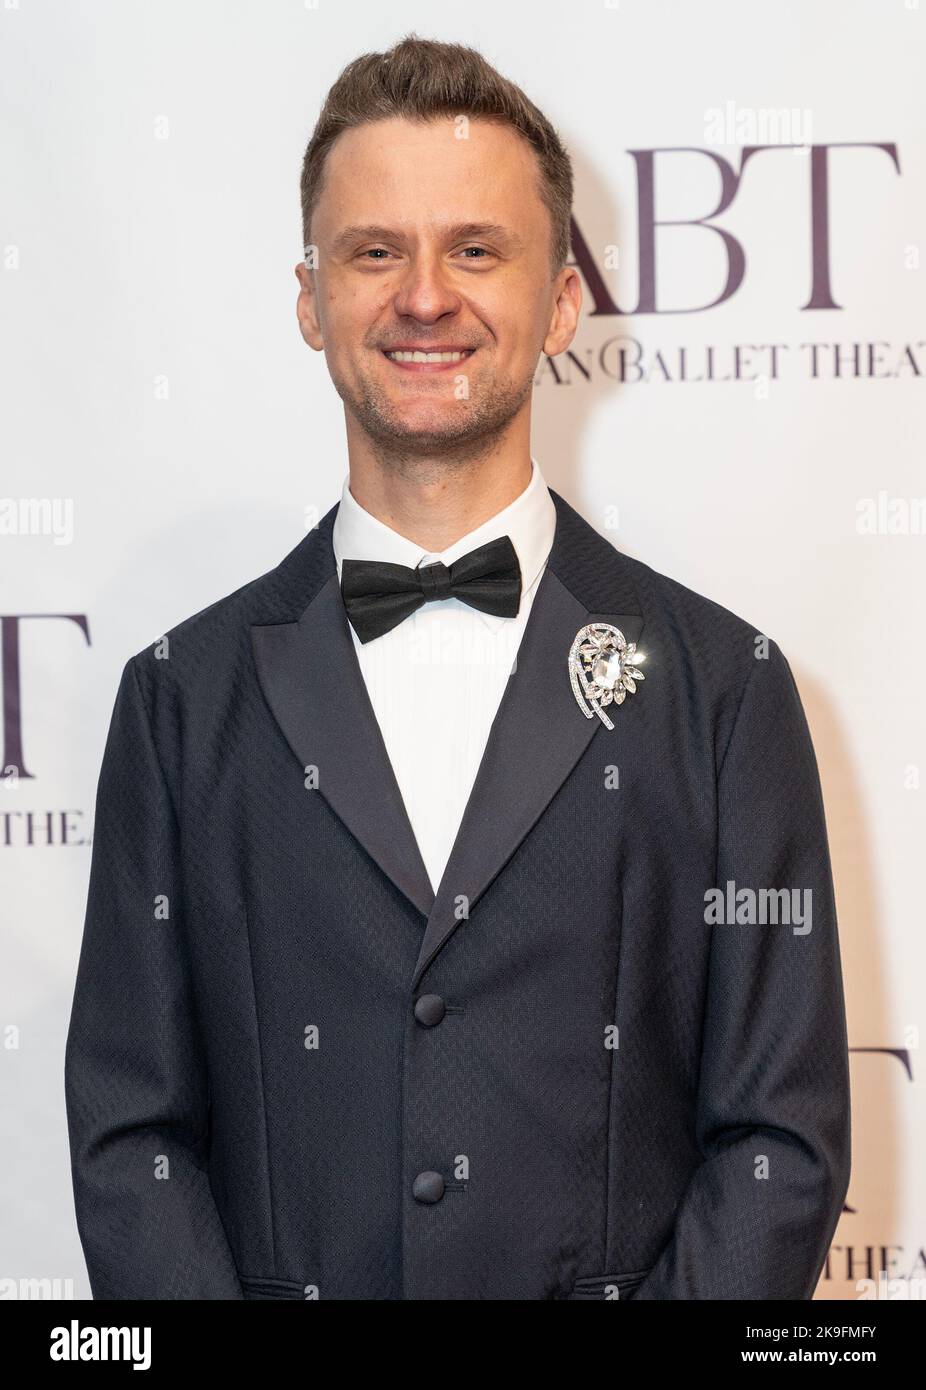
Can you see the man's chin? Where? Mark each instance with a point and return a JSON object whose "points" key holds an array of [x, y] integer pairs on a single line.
{"points": [[427, 443], [422, 435]]}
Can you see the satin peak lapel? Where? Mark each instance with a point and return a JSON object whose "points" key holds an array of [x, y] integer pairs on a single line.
{"points": [[313, 683]]}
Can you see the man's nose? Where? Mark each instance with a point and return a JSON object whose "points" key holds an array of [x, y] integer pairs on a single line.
{"points": [[425, 291]]}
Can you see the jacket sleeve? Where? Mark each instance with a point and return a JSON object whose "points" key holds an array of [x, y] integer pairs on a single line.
{"points": [[772, 1121], [136, 1087]]}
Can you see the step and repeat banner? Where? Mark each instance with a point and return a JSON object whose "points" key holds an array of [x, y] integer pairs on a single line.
{"points": [[742, 408]]}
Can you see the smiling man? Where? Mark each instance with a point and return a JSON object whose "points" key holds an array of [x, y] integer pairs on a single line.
{"points": [[411, 968]]}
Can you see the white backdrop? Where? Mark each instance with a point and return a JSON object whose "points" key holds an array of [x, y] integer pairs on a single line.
{"points": [[157, 397]]}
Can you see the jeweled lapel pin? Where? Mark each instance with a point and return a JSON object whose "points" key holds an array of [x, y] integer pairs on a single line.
{"points": [[603, 668]]}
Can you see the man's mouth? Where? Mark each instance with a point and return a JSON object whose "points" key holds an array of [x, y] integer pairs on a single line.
{"points": [[436, 359]]}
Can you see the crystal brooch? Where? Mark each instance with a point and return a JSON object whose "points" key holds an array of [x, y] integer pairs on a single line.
{"points": [[603, 669]]}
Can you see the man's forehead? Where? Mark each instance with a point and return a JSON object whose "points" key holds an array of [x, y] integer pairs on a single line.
{"points": [[391, 152]]}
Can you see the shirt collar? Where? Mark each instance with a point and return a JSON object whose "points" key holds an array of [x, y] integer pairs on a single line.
{"points": [[530, 521]]}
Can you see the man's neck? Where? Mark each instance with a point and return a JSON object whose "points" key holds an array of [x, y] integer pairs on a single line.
{"points": [[434, 504]]}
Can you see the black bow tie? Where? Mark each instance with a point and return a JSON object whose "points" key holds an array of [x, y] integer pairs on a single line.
{"points": [[379, 595]]}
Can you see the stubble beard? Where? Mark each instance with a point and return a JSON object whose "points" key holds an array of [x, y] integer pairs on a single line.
{"points": [[473, 432]]}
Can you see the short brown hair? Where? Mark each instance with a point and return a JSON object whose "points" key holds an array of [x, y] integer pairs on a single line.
{"points": [[420, 79]]}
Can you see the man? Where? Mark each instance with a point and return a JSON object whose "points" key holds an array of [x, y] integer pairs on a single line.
{"points": [[436, 949]]}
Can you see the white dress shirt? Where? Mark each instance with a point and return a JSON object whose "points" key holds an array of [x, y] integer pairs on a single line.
{"points": [[436, 679]]}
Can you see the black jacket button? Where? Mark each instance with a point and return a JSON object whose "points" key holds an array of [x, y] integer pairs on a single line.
{"points": [[428, 1187], [430, 1009]]}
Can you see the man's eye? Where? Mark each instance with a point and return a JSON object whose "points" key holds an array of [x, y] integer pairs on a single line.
{"points": [[379, 254]]}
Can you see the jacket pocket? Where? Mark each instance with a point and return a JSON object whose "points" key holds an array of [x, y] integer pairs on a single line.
{"points": [[608, 1286], [255, 1286]]}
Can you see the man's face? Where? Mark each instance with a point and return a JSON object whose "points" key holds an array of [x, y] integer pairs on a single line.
{"points": [[431, 242]]}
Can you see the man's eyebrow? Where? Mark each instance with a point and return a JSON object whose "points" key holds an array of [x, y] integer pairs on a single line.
{"points": [[460, 231]]}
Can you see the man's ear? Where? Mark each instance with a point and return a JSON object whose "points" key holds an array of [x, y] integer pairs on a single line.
{"points": [[306, 307], [567, 305]]}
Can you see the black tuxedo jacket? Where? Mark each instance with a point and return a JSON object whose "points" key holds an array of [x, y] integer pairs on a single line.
{"points": [[292, 1072]]}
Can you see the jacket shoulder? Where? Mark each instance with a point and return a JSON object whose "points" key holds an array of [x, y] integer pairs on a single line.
{"points": [[201, 657], [724, 660], [720, 646], [605, 578], [696, 618]]}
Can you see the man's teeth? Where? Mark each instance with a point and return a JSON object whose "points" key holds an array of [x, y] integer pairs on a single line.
{"points": [[429, 356]]}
